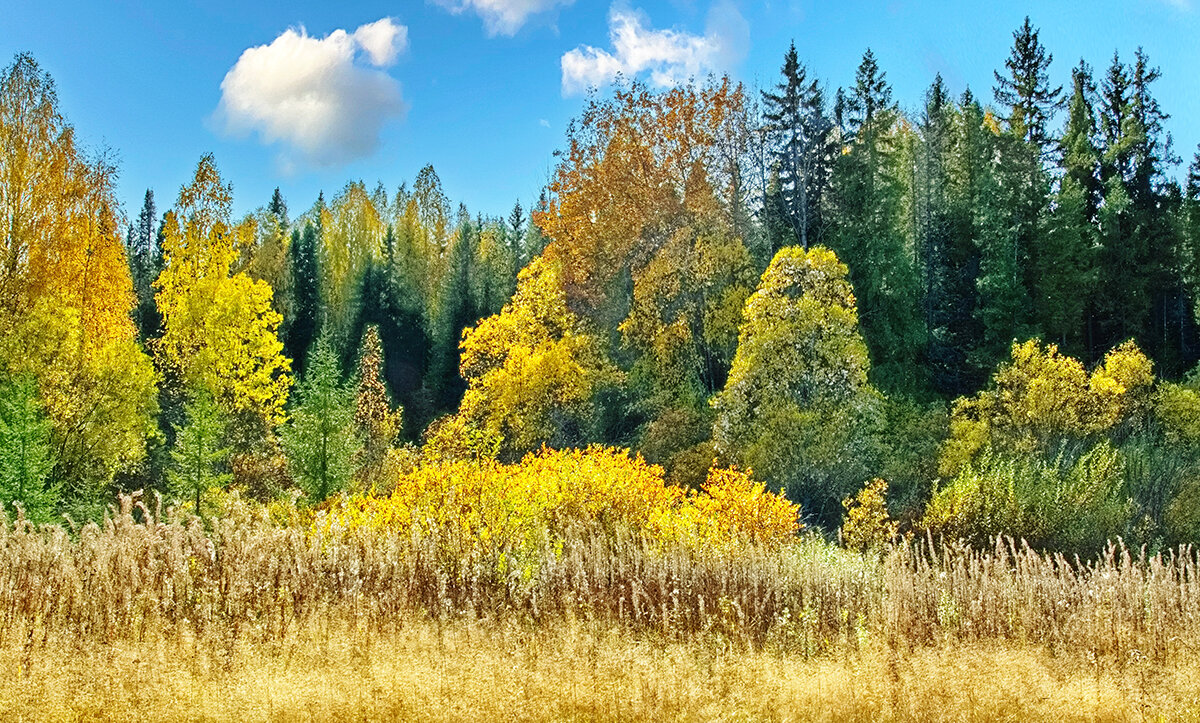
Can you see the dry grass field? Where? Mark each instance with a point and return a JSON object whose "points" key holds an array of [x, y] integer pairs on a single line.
{"points": [[244, 620], [472, 671]]}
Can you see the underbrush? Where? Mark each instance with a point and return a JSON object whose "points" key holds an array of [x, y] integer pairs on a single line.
{"points": [[550, 590], [243, 579]]}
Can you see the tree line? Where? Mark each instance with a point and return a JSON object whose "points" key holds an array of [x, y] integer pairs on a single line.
{"points": [[790, 280]]}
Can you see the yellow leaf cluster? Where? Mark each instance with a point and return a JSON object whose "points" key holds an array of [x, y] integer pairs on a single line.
{"points": [[532, 371], [1041, 397], [219, 327], [65, 289], [486, 506]]}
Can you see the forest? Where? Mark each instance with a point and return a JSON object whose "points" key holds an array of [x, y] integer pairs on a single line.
{"points": [[989, 304], [891, 412]]}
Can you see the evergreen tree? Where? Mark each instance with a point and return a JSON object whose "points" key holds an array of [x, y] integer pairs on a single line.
{"points": [[320, 438], [198, 456], [278, 208], [1031, 102], [933, 225], [143, 249], [1066, 276], [800, 134], [516, 219], [25, 452], [868, 214], [306, 312], [1026, 90]]}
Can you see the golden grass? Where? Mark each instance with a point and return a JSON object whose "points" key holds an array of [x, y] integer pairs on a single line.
{"points": [[487, 672], [240, 619]]}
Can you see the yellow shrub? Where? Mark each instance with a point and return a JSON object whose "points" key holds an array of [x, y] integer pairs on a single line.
{"points": [[483, 505], [868, 524]]}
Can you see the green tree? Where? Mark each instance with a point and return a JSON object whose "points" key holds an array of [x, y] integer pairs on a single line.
{"points": [[800, 133], [143, 249], [798, 408], [320, 438], [868, 189], [1066, 273], [25, 451], [303, 323], [199, 456]]}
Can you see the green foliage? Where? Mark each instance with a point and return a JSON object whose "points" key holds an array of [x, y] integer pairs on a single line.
{"points": [[867, 213], [25, 451], [199, 457], [797, 408], [1054, 504], [320, 438]]}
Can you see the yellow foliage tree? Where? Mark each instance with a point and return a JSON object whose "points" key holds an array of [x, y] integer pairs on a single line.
{"points": [[1041, 398], [352, 239], [65, 290], [532, 370], [219, 327]]}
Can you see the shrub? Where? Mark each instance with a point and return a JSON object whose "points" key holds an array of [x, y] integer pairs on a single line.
{"points": [[485, 506], [1077, 507], [867, 524]]}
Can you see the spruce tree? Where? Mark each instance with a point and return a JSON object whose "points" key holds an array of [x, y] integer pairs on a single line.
{"points": [[869, 228], [320, 439], [932, 222], [1066, 276], [1026, 89], [800, 133], [305, 320], [278, 208], [143, 250]]}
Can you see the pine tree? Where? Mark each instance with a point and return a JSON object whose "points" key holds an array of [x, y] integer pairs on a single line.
{"points": [[198, 455], [320, 438]]}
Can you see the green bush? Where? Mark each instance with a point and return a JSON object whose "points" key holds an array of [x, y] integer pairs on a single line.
{"points": [[1072, 506]]}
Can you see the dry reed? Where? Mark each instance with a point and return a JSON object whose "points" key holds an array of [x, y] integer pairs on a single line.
{"points": [[197, 602]]}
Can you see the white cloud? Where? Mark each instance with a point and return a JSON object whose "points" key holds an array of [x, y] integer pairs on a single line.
{"points": [[669, 56], [502, 17], [324, 99]]}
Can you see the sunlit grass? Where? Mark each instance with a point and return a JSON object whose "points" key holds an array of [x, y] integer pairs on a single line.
{"points": [[238, 619]]}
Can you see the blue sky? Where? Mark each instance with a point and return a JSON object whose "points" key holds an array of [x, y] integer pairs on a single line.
{"points": [[484, 89]]}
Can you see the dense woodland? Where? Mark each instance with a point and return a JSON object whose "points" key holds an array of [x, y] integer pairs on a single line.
{"points": [[989, 302]]}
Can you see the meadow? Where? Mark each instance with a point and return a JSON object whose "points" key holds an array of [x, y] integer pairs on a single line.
{"points": [[155, 615]]}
